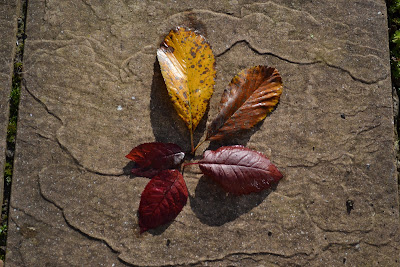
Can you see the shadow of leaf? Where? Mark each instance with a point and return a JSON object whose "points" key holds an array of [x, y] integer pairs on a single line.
{"points": [[160, 229], [215, 207], [128, 168], [240, 138], [167, 126]]}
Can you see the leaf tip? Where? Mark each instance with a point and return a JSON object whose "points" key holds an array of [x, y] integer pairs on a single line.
{"points": [[275, 172], [142, 229]]}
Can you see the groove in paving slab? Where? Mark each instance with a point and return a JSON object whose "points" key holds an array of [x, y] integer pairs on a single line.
{"points": [[12, 124], [394, 46]]}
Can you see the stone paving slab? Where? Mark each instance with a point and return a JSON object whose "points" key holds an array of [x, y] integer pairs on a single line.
{"points": [[8, 30], [332, 136]]}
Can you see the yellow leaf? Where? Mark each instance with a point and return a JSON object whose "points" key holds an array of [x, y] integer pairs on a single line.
{"points": [[187, 65]]}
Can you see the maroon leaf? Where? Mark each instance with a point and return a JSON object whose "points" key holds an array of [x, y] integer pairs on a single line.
{"points": [[151, 158], [239, 170], [162, 199]]}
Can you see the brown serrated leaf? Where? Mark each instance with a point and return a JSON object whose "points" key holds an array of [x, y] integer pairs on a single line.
{"points": [[249, 98]]}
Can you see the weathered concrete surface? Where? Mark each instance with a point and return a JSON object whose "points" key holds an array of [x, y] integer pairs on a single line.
{"points": [[332, 136], [8, 29]]}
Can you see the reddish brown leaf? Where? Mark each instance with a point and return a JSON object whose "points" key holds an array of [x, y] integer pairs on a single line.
{"points": [[151, 158], [249, 98], [162, 199], [239, 170]]}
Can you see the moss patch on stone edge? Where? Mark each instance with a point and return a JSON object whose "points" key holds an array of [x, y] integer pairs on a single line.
{"points": [[12, 124]]}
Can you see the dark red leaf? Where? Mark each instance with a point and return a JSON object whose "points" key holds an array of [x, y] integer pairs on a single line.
{"points": [[162, 199], [239, 170], [248, 99], [151, 158]]}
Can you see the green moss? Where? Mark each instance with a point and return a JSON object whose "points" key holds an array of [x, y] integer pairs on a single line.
{"points": [[12, 127], [394, 36], [394, 5], [3, 237], [395, 54]]}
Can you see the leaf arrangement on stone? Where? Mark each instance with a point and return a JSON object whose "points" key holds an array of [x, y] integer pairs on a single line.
{"points": [[188, 67]]}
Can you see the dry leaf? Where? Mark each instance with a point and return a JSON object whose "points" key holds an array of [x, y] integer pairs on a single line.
{"points": [[239, 170], [187, 65], [249, 98], [162, 199], [151, 158]]}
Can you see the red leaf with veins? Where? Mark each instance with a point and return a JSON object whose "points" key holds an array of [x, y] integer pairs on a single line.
{"points": [[162, 199], [151, 158], [239, 170]]}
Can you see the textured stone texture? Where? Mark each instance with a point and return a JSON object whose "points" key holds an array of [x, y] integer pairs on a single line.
{"points": [[8, 30], [331, 135]]}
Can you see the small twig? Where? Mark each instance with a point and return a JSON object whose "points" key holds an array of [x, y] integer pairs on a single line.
{"points": [[190, 163], [194, 150], [191, 141]]}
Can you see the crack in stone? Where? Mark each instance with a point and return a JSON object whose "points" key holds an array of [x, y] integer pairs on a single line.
{"points": [[343, 245], [76, 161], [65, 149], [367, 129], [28, 215], [87, 235], [67, 221], [20, 241], [44, 137], [265, 53], [378, 245], [325, 230], [255, 50], [356, 78], [47, 199], [40, 102], [247, 255]]}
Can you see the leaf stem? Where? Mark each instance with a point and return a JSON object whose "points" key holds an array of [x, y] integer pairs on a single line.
{"points": [[199, 144], [190, 163], [187, 164], [191, 141]]}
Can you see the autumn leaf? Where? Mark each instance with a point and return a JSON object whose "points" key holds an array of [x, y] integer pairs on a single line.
{"points": [[162, 199], [248, 99], [239, 170], [151, 158], [187, 65]]}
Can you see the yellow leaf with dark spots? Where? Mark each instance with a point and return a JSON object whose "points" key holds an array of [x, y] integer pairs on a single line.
{"points": [[187, 65]]}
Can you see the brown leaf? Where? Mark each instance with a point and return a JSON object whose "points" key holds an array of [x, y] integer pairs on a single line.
{"points": [[249, 98]]}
